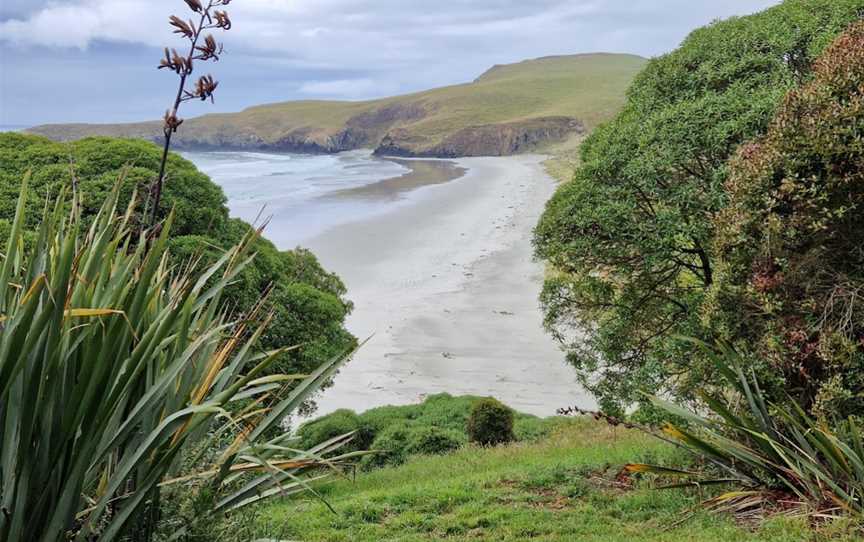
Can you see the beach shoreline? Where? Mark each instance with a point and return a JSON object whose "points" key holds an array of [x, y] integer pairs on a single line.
{"points": [[446, 288], [421, 172]]}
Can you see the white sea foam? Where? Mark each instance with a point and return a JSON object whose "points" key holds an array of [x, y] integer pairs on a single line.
{"points": [[290, 189]]}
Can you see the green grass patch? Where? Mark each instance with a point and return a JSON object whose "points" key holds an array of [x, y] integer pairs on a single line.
{"points": [[560, 488]]}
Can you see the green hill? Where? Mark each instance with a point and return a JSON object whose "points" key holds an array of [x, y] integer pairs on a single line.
{"points": [[509, 109]]}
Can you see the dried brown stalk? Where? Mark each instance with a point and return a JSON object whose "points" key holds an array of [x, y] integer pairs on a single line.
{"points": [[201, 47]]}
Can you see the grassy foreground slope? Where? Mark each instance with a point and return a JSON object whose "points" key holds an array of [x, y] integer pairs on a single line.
{"points": [[509, 109], [561, 488]]}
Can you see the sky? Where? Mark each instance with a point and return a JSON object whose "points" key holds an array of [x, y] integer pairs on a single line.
{"points": [[95, 60]]}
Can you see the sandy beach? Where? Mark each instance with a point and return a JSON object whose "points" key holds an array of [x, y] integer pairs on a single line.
{"points": [[447, 289]]}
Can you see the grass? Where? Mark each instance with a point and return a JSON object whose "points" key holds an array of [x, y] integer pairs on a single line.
{"points": [[564, 158], [558, 489], [588, 87], [373, 429]]}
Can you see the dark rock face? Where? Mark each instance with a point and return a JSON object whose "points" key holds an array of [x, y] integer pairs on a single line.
{"points": [[487, 140], [387, 129], [221, 140], [365, 130]]}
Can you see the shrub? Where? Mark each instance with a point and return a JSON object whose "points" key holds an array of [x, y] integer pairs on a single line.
{"points": [[440, 410], [630, 237], [135, 365], [336, 424], [381, 418], [435, 426], [490, 423], [790, 265], [390, 447], [309, 302], [770, 451], [432, 441], [395, 444]]}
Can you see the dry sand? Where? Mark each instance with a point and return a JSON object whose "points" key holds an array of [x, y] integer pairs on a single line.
{"points": [[449, 289]]}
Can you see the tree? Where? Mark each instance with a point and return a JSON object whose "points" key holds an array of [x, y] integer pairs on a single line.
{"points": [[629, 238], [790, 243]]}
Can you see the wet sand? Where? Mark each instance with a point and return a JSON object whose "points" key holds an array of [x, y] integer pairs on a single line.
{"points": [[448, 287], [422, 173]]}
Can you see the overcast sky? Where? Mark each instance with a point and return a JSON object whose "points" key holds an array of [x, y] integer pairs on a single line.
{"points": [[94, 60]]}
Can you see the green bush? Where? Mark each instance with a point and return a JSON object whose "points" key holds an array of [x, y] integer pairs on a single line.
{"points": [[769, 451], [435, 426], [630, 237], [440, 410], [334, 425], [309, 302], [490, 423], [390, 447], [381, 418], [433, 441], [395, 444], [790, 264], [136, 368]]}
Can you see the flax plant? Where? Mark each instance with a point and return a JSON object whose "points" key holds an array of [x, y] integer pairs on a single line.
{"points": [[775, 456], [202, 48], [114, 366]]}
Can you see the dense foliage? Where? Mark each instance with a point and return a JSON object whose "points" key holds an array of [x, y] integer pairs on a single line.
{"points": [[340, 422], [113, 367], [790, 244], [396, 443], [437, 425], [490, 423], [309, 302], [630, 238], [771, 452]]}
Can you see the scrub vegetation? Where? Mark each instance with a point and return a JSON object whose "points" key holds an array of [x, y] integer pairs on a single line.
{"points": [[639, 240], [310, 303], [563, 487], [708, 251], [705, 278]]}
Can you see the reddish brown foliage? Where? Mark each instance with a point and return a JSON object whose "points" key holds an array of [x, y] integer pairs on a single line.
{"points": [[791, 243]]}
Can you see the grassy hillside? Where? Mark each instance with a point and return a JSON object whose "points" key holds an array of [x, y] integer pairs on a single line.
{"points": [[509, 109], [562, 488]]}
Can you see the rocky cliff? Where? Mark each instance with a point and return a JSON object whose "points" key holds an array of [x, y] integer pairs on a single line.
{"points": [[378, 129], [486, 140], [510, 109]]}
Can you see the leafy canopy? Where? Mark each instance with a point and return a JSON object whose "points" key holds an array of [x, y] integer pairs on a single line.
{"points": [[310, 305], [790, 245], [630, 237]]}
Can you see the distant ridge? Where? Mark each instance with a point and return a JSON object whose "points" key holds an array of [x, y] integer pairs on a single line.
{"points": [[509, 109]]}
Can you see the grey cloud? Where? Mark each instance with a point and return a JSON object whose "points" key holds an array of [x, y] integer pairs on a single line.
{"points": [[286, 49]]}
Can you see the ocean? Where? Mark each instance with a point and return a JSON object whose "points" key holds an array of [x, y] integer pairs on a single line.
{"points": [[294, 191], [437, 259]]}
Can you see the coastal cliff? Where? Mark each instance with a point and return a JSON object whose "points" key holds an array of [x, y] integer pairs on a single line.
{"points": [[488, 140], [510, 109]]}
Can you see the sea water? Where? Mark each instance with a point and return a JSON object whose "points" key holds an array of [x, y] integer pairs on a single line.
{"points": [[442, 278], [291, 191]]}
